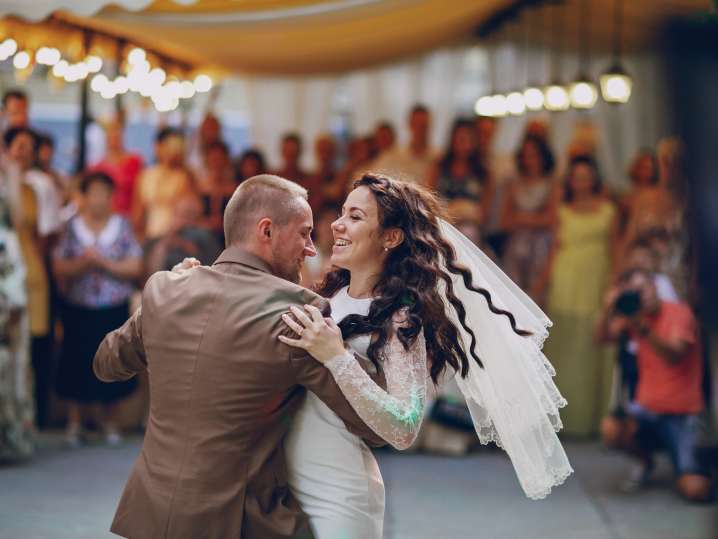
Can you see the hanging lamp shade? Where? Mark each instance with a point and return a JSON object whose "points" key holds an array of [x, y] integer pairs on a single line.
{"points": [[583, 93], [515, 103], [556, 98], [616, 85], [534, 98]]}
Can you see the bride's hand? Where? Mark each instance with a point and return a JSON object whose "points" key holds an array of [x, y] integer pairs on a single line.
{"points": [[319, 336], [187, 263]]}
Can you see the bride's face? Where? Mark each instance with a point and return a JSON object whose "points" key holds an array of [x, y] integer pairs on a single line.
{"points": [[358, 241]]}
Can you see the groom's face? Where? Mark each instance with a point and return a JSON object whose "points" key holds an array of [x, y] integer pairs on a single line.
{"points": [[292, 242]]}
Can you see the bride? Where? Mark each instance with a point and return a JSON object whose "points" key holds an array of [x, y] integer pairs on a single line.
{"points": [[411, 297]]}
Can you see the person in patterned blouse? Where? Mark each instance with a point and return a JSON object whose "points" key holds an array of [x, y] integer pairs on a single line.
{"points": [[97, 261]]}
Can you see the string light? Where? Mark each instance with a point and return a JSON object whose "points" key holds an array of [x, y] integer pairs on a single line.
{"points": [[534, 98], [202, 83], [99, 82], [187, 90], [616, 85], [21, 60], [8, 48], [515, 103], [483, 106], [108, 91], [583, 94], [60, 68], [94, 63], [556, 98], [76, 72], [47, 56], [158, 76], [139, 76], [136, 56], [122, 85]]}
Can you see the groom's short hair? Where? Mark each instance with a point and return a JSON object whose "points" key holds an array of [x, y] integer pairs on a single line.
{"points": [[258, 197]]}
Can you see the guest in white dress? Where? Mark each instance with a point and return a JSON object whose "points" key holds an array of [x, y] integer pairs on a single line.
{"points": [[404, 302]]}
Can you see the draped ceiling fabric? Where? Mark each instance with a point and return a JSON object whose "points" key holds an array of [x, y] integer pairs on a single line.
{"points": [[292, 55], [308, 37]]}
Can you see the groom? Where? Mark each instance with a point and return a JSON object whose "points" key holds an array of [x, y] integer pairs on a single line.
{"points": [[223, 389]]}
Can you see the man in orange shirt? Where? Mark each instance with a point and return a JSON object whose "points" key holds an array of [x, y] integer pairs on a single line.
{"points": [[668, 399]]}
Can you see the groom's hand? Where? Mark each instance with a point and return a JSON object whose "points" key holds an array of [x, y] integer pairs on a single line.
{"points": [[319, 336], [187, 263]]}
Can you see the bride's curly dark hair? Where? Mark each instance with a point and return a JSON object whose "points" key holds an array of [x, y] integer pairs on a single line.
{"points": [[409, 280]]}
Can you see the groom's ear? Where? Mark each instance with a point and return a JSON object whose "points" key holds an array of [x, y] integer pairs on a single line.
{"points": [[264, 228]]}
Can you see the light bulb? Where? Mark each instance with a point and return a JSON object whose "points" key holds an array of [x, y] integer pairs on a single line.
{"points": [[21, 60], [498, 105], [109, 91], [122, 85], [556, 98], [202, 83], [616, 86], [158, 76], [99, 82], [41, 56], [515, 103], [484, 106], [534, 99], [136, 56], [583, 94], [173, 89], [164, 101], [8, 48], [187, 90], [82, 70], [60, 68], [94, 63]]}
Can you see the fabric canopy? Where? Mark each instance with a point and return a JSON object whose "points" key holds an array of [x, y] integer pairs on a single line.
{"points": [[303, 37]]}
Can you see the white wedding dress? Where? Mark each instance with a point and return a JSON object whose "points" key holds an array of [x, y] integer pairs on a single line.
{"points": [[332, 472]]}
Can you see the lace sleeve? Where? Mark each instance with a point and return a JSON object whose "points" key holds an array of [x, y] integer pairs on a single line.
{"points": [[394, 414]]}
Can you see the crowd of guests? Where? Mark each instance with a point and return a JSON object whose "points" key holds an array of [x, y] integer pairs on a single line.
{"points": [[579, 248]]}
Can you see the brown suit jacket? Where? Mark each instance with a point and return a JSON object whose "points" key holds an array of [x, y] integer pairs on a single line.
{"points": [[223, 391]]}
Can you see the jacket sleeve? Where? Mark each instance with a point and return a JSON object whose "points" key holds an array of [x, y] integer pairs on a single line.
{"points": [[121, 354]]}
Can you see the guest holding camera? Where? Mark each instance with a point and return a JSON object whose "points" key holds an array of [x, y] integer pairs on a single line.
{"points": [[664, 414]]}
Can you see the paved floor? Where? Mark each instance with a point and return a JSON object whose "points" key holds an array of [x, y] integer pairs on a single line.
{"points": [[71, 494]]}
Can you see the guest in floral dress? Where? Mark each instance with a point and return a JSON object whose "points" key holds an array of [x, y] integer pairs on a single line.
{"points": [[97, 262], [16, 395]]}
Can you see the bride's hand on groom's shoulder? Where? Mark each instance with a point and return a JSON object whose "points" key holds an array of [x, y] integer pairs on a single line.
{"points": [[319, 336], [187, 263]]}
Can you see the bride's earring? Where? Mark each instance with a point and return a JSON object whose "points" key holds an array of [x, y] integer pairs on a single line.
{"points": [[386, 248]]}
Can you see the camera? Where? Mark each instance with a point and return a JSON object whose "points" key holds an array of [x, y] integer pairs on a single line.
{"points": [[628, 303]]}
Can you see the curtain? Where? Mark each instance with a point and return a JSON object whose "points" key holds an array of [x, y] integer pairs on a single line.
{"points": [[443, 80]]}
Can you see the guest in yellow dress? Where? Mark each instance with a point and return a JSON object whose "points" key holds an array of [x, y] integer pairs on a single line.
{"points": [[577, 275]]}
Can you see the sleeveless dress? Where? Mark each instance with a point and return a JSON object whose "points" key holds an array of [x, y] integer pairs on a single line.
{"points": [[332, 472], [579, 278]]}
